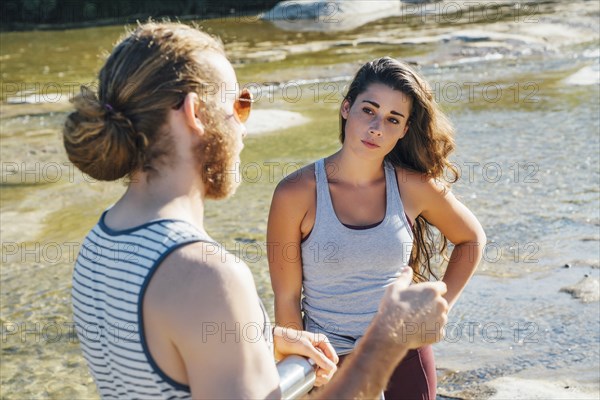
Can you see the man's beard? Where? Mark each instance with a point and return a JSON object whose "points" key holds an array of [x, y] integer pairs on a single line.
{"points": [[217, 157]]}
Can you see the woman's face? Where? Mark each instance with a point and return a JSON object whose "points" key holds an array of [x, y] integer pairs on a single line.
{"points": [[376, 121]]}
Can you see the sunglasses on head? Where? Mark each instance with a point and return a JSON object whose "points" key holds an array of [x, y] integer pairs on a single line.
{"points": [[241, 107]]}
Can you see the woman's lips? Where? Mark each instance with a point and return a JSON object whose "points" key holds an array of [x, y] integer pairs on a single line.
{"points": [[369, 144]]}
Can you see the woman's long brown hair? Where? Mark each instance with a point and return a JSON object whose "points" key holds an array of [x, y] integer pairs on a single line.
{"points": [[425, 148]]}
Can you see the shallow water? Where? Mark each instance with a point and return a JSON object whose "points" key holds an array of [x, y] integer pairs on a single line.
{"points": [[506, 326], [527, 146]]}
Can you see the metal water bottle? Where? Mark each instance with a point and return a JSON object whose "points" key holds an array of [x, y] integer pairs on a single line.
{"points": [[297, 376]]}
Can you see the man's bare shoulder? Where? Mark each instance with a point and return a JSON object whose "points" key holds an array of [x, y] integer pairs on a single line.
{"points": [[208, 262], [208, 305], [200, 281]]}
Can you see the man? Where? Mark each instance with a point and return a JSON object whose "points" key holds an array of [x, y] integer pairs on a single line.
{"points": [[178, 316]]}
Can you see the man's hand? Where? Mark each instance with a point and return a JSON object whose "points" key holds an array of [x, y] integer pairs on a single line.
{"points": [[412, 315], [408, 317], [288, 341]]}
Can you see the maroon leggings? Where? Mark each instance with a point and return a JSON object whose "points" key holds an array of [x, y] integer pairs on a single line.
{"points": [[414, 378]]}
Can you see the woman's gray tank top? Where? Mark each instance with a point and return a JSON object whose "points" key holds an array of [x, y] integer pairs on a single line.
{"points": [[346, 270]]}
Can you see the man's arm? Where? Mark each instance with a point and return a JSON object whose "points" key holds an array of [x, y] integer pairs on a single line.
{"points": [[216, 325], [212, 317], [366, 372]]}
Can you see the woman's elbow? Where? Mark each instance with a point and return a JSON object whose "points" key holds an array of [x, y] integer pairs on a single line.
{"points": [[479, 237]]}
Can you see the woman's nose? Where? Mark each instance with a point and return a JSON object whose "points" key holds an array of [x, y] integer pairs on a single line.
{"points": [[375, 128]]}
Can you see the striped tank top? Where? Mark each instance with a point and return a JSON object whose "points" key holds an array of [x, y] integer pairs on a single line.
{"points": [[112, 271], [346, 269]]}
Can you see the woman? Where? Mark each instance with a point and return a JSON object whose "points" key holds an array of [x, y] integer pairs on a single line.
{"points": [[357, 216]]}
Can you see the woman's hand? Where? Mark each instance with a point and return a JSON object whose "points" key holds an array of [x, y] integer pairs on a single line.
{"points": [[316, 346]]}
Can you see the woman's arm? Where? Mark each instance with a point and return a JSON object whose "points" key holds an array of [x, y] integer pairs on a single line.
{"points": [[443, 210], [421, 195], [289, 206], [294, 197]]}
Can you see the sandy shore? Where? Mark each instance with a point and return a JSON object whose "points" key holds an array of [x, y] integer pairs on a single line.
{"points": [[260, 121], [270, 120], [518, 388]]}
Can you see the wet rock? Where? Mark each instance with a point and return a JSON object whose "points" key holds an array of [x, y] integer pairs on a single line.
{"points": [[263, 56], [310, 47], [330, 16], [587, 290], [475, 35], [245, 240], [589, 75]]}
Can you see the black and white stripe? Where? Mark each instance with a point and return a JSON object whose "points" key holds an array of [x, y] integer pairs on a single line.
{"points": [[111, 274]]}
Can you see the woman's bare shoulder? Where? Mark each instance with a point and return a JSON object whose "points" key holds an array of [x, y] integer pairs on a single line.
{"points": [[294, 196], [298, 184], [420, 184]]}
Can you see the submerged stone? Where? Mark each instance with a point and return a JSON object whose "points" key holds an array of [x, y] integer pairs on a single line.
{"points": [[587, 290]]}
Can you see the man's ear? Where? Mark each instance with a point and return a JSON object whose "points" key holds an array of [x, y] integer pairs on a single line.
{"points": [[191, 109], [345, 109]]}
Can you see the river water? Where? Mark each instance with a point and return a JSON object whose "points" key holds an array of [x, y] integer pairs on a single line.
{"points": [[519, 82]]}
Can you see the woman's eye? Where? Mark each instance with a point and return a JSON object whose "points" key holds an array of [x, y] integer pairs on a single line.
{"points": [[367, 110], [394, 121]]}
